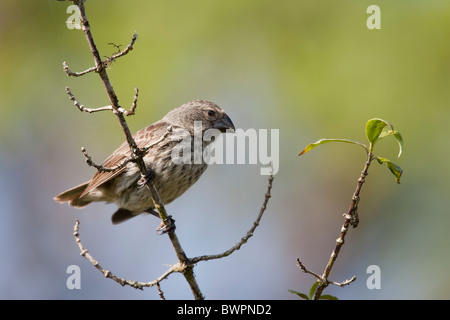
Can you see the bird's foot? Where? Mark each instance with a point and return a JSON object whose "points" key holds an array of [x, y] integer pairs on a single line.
{"points": [[168, 225], [145, 178]]}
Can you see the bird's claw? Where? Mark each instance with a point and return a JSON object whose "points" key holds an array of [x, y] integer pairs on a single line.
{"points": [[145, 178], [168, 225]]}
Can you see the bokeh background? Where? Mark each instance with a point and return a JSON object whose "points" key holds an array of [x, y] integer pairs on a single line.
{"points": [[309, 68]]}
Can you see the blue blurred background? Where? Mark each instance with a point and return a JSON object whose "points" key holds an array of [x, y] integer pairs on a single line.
{"points": [[311, 69]]}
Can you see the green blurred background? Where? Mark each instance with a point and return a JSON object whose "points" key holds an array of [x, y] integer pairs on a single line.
{"points": [[311, 69]]}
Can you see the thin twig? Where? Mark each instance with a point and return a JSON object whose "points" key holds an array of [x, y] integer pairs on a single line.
{"points": [[351, 219], [248, 235], [184, 268], [108, 274], [105, 108], [117, 46], [133, 104], [82, 107], [344, 283], [101, 168], [160, 292], [111, 59], [125, 161], [105, 63], [164, 136], [303, 268], [77, 74], [320, 279]]}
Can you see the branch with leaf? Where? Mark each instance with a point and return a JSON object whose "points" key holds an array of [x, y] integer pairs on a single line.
{"points": [[184, 264], [376, 129]]}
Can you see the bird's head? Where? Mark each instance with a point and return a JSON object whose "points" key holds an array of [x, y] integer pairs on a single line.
{"points": [[208, 113]]}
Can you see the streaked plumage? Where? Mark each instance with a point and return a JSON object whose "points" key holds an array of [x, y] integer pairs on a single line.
{"points": [[170, 179]]}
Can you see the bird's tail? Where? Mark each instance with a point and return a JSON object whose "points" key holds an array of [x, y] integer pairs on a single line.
{"points": [[122, 215], [73, 196]]}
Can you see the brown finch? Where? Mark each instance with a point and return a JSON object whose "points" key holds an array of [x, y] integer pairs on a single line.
{"points": [[170, 178]]}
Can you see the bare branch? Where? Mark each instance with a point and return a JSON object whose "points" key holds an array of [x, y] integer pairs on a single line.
{"points": [[105, 108], [322, 280], [77, 74], [101, 168], [125, 161], [82, 107], [160, 292], [137, 154], [351, 219], [249, 234], [344, 283], [111, 59], [108, 274], [303, 268], [164, 136], [133, 104], [105, 63], [184, 265], [117, 46]]}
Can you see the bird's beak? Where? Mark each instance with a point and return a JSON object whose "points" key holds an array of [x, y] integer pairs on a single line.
{"points": [[224, 125]]}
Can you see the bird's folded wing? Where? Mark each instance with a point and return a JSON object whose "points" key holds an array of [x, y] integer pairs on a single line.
{"points": [[143, 138]]}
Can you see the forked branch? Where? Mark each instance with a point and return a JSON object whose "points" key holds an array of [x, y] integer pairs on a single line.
{"points": [[184, 264]]}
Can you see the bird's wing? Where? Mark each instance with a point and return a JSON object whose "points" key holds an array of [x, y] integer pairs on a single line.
{"points": [[143, 138]]}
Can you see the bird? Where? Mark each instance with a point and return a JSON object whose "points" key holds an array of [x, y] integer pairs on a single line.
{"points": [[171, 179]]}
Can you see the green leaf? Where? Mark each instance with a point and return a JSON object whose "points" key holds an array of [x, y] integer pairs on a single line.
{"points": [[328, 297], [313, 290], [374, 127], [301, 295], [397, 137], [323, 141], [395, 169]]}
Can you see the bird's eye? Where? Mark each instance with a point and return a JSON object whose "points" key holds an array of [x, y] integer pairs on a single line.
{"points": [[211, 113]]}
